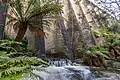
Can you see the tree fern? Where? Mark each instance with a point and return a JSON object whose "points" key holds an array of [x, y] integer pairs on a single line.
{"points": [[32, 14], [116, 42], [3, 7]]}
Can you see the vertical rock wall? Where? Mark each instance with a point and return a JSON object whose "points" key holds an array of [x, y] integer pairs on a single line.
{"points": [[54, 41]]}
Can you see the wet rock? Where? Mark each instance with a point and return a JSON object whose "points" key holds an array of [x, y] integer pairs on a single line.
{"points": [[65, 73], [109, 76], [58, 55], [113, 64], [105, 74], [78, 61]]}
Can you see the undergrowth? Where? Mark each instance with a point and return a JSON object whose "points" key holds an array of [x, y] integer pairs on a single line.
{"points": [[14, 64]]}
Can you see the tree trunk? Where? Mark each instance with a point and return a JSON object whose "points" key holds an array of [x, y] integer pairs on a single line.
{"points": [[21, 32]]}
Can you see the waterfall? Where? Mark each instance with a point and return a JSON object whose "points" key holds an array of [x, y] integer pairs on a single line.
{"points": [[60, 63], [63, 69]]}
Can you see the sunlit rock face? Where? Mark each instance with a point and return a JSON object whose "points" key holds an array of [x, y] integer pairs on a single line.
{"points": [[9, 31], [54, 41]]}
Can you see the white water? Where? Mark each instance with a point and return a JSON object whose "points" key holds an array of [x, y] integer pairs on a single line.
{"points": [[65, 70], [65, 73]]}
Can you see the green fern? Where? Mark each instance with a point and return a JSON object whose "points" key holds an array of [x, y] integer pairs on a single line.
{"points": [[13, 77], [116, 42], [13, 68], [8, 45], [3, 54], [19, 65], [13, 71], [95, 50]]}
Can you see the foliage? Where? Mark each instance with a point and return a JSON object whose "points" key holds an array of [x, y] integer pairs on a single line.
{"points": [[94, 55], [103, 31], [19, 65], [3, 7], [113, 41], [32, 14], [111, 34], [9, 47], [14, 64], [95, 51], [116, 42], [98, 50], [115, 28]]}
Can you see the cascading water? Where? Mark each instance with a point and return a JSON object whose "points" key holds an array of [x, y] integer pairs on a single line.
{"points": [[60, 63], [66, 70], [63, 70]]}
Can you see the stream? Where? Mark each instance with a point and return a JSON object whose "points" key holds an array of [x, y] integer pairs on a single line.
{"points": [[66, 70]]}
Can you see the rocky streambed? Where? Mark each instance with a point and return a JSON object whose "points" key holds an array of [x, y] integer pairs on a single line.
{"points": [[65, 70]]}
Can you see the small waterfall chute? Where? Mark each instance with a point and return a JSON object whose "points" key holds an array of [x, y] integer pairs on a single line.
{"points": [[66, 70], [60, 63], [63, 70]]}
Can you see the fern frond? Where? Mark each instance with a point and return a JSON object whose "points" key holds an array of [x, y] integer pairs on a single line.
{"points": [[13, 71], [19, 65]]}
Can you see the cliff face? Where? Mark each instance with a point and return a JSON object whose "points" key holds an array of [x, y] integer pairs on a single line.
{"points": [[9, 31], [92, 18], [78, 22]]}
